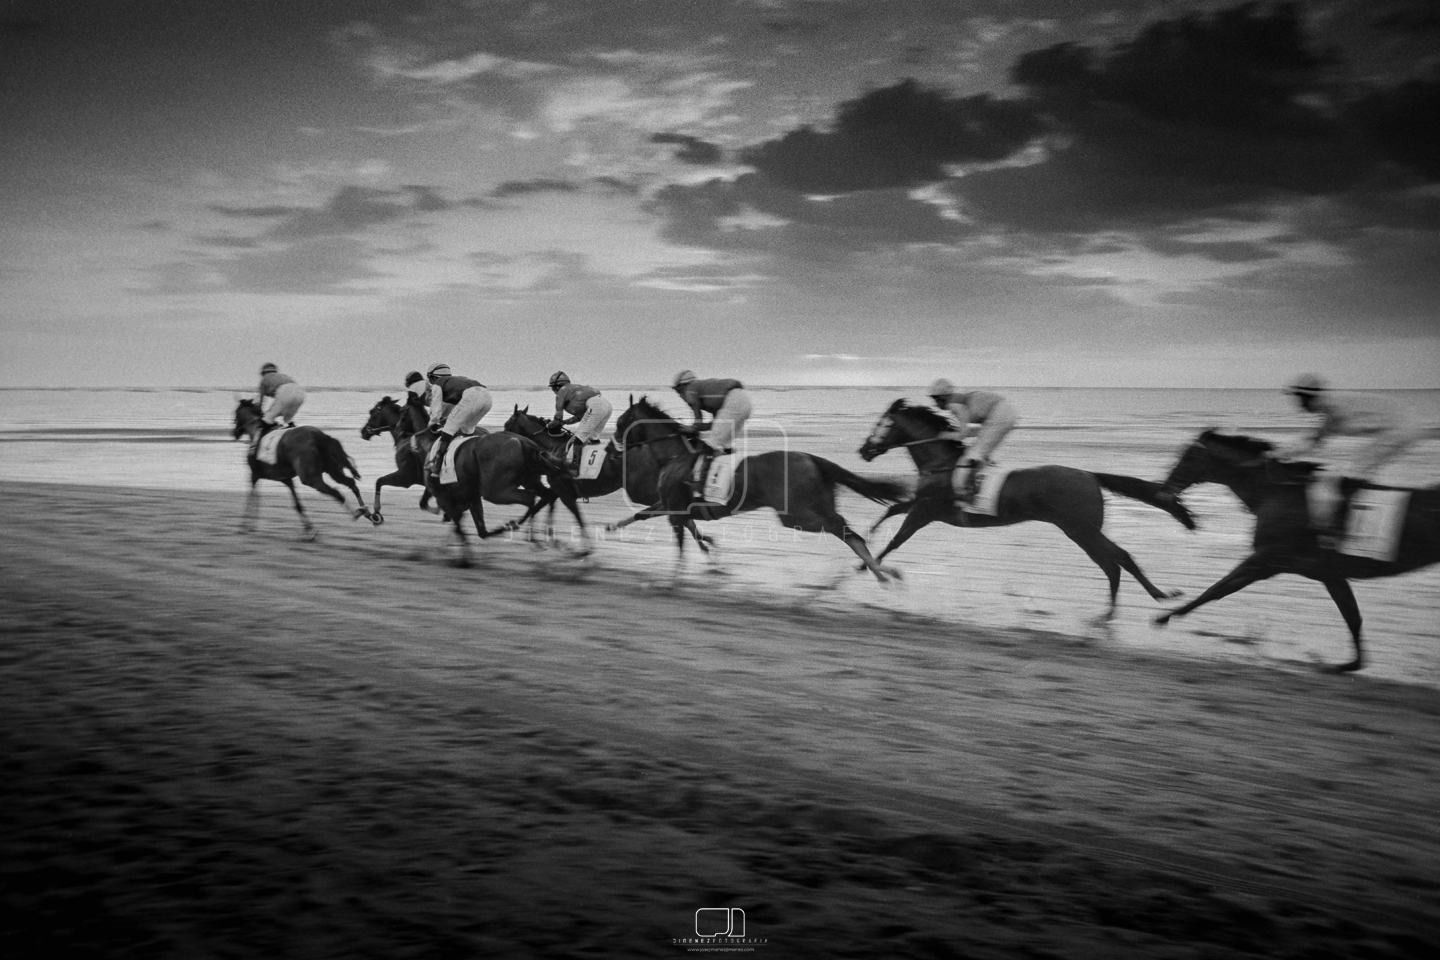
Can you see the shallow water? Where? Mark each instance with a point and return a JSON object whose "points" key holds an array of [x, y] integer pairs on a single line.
{"points": [[1026, 576]]}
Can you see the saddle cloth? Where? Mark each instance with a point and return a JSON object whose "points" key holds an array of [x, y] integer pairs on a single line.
{"points": [[1376, 520], [267, 448], [447, 469], [592, 459], [719, 483], [987, 498]]}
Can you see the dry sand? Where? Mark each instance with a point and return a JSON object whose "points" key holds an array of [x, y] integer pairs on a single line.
{"points": [[219, 745]]}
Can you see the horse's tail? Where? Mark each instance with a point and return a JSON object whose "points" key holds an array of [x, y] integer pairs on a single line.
{"points": [[881, 491], [1147, 491], [337, 461]]}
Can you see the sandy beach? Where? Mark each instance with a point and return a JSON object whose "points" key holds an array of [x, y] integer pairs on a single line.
{"points": [[219, 745]]}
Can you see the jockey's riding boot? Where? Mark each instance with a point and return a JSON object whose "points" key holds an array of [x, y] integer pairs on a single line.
{"points": [[570, 459], [702, 470], [437, 454]]}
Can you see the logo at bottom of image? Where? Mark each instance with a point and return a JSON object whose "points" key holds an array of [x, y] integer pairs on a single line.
{"points": [[720, 930]]}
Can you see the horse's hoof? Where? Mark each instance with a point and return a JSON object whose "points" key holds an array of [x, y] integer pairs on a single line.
{"points": [[462, 564], [611, 527], [376, 518], [1161, 620], [894, 573], [434, 510], [309, 536], [1170, 594], [1350, 667]]}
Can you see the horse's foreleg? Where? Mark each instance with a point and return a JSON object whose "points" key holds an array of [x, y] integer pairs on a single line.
{"points": [[894, 511], [921, 514], [300, 509], [1344, 598], [649, 513], [677, 524], [252, 508], [1252, 569]]}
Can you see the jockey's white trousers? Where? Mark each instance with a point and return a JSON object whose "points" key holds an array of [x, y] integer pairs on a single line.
{"points": [[729, 421], [1002, 420], [592, 424], [288, 397], [469, 410]]}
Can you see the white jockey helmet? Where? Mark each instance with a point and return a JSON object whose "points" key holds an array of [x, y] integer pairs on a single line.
{"points": [[1306, 383], [942, 388], [437, 370], [684, 377]]}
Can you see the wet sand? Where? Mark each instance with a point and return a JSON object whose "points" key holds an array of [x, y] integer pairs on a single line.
{"points": [[244, 746]]}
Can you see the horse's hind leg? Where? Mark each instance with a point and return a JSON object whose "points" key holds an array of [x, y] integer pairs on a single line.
{"points": [[1102, 550], [1344, 598], [835, 525], [300, 509]]}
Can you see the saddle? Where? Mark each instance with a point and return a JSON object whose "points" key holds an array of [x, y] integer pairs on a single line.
{"points": [[713, 483]]}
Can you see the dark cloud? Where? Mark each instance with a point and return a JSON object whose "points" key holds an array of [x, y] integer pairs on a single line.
{"points": [[692, 149], [516, 188], [1403, 123], [257, 212], [899, 136], [321, 265], [355, 209]]}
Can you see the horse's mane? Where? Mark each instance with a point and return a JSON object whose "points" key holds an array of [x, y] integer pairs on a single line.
{"points": [[650, 411], [933, 418], [1250, 446]]}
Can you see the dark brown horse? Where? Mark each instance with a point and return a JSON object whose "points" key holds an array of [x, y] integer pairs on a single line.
{"points": [[502, 468], [304, 452], [1065, 496], [612, 472], [1285, 541], [404, 424], [799, 487]]}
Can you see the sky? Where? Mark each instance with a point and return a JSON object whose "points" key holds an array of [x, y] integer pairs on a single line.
{"points": [[1002, 192]]}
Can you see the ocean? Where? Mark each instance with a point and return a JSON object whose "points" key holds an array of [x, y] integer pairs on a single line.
{"points": [[1026, 576]]}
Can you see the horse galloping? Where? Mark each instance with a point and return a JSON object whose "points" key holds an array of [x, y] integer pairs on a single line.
{"points": [[799, 487], [404, 423], [503, 468], [1068, 497], [1285, 540], [304, 452]]}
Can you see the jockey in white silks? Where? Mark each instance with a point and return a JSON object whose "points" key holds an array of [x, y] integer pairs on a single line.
{"points": [[286, 393], [981, 414], [1385, 421], [586, 408], [463, 403]]}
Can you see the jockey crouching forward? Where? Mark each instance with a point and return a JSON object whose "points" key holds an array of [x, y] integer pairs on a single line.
{"points": [[462, 404], [586, 408], [986, 416], [1345, 413], [728, 405], [287, 397]]}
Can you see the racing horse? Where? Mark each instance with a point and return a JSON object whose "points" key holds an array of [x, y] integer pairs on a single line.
{"points": [[799, 487], [1069, 498], [305, 452], [404, 424], [503, 468], [1284, 540]]}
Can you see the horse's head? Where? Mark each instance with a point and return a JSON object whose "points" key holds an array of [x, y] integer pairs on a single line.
{"points": [[247, 411], [902, 423], [383, 416], [643, 421], [523, 422], [1212, 456]]}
